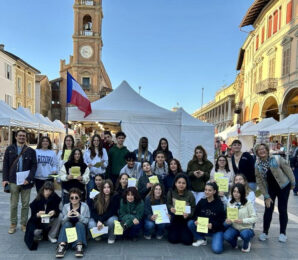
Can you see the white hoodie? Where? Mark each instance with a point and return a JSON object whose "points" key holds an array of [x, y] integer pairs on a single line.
{"points": [[104, 162], [46, 163]]}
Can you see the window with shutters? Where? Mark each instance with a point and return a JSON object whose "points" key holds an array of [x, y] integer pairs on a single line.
{"points": [[257, 42], [279, 17], [272, 67], [289, 12], [286, 61], [269, 26], [19, 85], [8, 72], [263, 34], [275, 20], [8, 100], [260, 72]]}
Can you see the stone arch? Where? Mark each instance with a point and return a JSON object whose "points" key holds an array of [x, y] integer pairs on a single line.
{"points": [[255, 113], [270, 108], [246, 114], [87, 23], [290, 102]]}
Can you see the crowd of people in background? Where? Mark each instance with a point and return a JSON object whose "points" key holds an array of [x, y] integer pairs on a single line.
{"points": [[108, 186]]}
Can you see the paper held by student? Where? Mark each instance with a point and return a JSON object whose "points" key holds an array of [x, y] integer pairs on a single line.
{"points": [[218, 175], [223, 184], [96, 233], [180, 207], [153, 179], [118, 229], [67, 153], [232, 213], [75, 171], [162, 214], [21, 177], [71, 234], [202, 225], [93, 194], [132, 182]]}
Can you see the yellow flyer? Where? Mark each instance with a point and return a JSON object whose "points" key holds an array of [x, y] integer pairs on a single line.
{"points": [[97, 165], [159, 216], [218, 175], [153, 179], [75, 171], [118, 229], [232, 213], [202, 226], [180, 207], [66, 154], [71, 234], [223, 184]]}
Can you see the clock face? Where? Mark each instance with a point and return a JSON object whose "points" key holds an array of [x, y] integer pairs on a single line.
{"points": [[86, 51]]}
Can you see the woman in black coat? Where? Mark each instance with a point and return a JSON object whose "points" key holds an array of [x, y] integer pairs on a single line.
{"points": [[44, 220]]}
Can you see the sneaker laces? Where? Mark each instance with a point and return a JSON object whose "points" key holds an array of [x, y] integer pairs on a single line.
{"points": [[60, 248], [79, 247]]}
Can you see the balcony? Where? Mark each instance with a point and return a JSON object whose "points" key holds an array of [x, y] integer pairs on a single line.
{"points": [[265, 86], [87, 2], [87, 33]]}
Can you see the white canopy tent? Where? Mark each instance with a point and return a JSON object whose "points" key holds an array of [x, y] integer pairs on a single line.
{"points": [[139, 117], [254, 129], [224, 133], [286, 126], [27, 113], [235, 133]]}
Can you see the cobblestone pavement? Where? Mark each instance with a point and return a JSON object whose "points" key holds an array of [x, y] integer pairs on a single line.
{"points": [[13, 246]]}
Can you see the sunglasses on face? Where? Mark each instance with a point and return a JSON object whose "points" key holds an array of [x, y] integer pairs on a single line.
{"points": [[74, 197]]}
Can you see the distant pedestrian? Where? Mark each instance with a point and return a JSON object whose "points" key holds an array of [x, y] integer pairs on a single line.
{"points": [[223, 147]]}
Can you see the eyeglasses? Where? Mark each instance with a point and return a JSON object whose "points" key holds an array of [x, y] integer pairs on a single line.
{"points": [[74, 197], [222, 160]]}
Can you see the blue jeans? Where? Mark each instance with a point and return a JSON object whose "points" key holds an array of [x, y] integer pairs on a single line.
{"points": [[109, 223], [296, 179], [81, 232], [150, 226], [231, 235], [217, 237]]}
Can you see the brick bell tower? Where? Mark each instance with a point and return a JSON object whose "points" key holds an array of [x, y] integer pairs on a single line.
{"points": [[85, 65]]}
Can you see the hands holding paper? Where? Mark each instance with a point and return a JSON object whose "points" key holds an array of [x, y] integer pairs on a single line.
{"points": [[135, 221], [39, 213], [69, 177], [99, 225]]}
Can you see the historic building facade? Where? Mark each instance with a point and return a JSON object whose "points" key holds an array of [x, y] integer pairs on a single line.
{"points": [[267, 83], [22, 75], [85, 64], [43, 95]]}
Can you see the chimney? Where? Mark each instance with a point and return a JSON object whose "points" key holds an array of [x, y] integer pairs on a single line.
{"points": [[2, 47]]}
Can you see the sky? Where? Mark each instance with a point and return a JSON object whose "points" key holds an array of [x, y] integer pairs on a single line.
{"points": [[171, 48]]}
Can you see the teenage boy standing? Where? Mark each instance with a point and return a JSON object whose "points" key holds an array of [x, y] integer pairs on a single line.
{"points": [[19, 157], [117, 157]]}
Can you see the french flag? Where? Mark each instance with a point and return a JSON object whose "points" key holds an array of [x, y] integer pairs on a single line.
{"points": [[77, 96]]}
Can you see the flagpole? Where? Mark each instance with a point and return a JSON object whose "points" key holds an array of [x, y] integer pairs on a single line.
{"points": [[66, 118]]}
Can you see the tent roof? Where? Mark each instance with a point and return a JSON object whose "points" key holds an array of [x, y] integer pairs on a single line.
{"points": [[286, 126], [11, 117], [188, 120], [254, 129], [27, 114], [242, 128], [121, 105]]}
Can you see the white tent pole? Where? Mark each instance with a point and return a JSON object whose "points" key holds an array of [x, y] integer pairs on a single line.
{"points": [[288, 147], [9, 135]]}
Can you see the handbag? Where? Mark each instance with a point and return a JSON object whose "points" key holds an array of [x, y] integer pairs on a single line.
{"points": [[7, 188]]}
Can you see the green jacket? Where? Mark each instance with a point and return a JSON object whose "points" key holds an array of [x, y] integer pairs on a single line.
{"points": [[129, 211], [187, 196], [116, 159], [198, 184]]}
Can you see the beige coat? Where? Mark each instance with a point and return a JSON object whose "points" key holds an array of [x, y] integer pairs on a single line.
{"points": [[283, 175]]}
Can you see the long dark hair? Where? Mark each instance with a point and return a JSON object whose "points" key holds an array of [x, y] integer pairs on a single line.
{"points": [[140, 150], [100, 203], [178, 176], [215, 187], [71, 159], [200, 147], [242, 192], [151, 194], [226, 166], [92, 147], [39, 146], [64, 145], [135, 193], [48, 185], [159, 145], [118, 184], [179, 169]]}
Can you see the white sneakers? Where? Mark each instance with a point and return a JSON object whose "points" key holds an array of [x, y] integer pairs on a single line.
{"points": [[200, 243], [263, 237], [111, 241], [52, 240], [147, 237], [246, 250], [282, 238]]}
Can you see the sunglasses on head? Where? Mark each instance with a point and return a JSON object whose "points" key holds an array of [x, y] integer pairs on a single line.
{"points": [[74, 197]]}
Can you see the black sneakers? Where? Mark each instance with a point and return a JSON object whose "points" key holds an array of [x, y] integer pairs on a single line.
{"points": [[61, 249], [79, 250]]}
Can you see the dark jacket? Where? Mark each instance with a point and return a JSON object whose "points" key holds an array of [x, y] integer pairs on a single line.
{"points": [[29, 163], [148, 209], [198, 184], [116, 159], [35, 223], [74, 183], [129, 211], [168, 181], [214, 211], [111, 211], [142, 184], [246, 166], [168, 155]]}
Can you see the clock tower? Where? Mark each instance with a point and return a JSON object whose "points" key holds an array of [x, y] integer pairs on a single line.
{"points": [[85, 64]]}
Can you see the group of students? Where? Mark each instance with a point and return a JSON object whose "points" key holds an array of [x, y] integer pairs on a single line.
{"points": [[108, 187]]}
